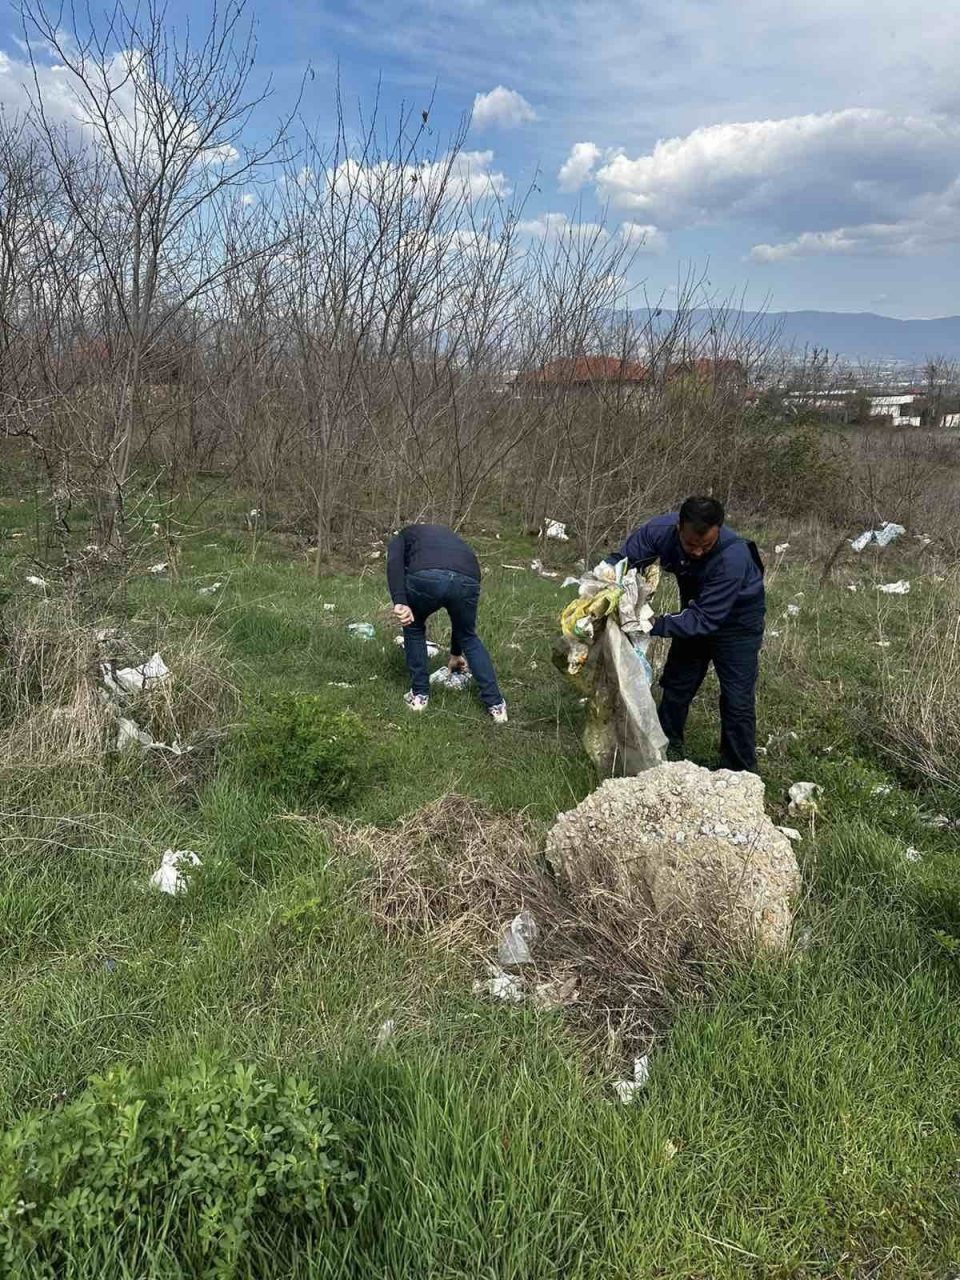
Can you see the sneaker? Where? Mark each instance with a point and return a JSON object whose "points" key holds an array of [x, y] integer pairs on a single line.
{"points": [[416, 701], [499, 713]]}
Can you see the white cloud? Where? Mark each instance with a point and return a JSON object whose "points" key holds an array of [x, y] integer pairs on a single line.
{"points": [[557, 226], [467, 175], [643, 237], [503, 107], [578, 166]]}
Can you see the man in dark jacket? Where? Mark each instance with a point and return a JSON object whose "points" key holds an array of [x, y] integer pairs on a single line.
{"points": [[430, 568], [722, 598]]}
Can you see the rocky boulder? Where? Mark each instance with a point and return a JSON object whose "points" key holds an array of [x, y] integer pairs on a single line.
{"points": [[691, 847]]}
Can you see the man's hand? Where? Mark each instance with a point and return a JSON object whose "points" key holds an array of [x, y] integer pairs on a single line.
{"points": [[403, 614], [458, 663]]}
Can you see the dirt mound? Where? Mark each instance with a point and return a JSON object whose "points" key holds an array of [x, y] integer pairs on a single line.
{"points": [[694, 848]]}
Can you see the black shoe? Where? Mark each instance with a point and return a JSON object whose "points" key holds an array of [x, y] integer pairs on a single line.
{"points": [[675, 752]]}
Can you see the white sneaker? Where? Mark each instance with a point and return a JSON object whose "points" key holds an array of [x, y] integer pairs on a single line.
{"points": [[416, 701], [499, 713]]}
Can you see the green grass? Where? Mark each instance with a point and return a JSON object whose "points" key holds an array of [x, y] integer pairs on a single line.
{"points": [[812, 1101]]}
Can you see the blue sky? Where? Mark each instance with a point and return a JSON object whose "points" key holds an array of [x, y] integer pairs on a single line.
{"points": [[806, 154]]}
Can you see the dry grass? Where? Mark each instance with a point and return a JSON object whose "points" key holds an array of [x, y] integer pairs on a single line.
{"points": [[454, 873], [53, 709], [920, 707]]}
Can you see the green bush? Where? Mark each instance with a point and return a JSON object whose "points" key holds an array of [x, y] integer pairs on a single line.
{"points": [[300, 748], [208, 1167]]}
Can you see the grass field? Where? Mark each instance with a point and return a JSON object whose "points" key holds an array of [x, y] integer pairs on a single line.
{"points": [[802, 1117]]}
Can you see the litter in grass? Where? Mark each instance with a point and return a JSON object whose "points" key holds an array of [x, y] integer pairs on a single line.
{"points": [[781, 547], [447, 679], [126, 680], [329, 608], [911, 854], [500, 986], [160, 567], [557, 530], [803, 797], [432, 649], [901, 588], [627, 1090], [211, 590], [514, 945], [169, 877], [881, 789], [537, 567], [793, 610], [362, 630], [34, 581], [882, 644], [569, 582], [882, 537], [340, 684], [559, 991], [385, 1033], [129, 735]]}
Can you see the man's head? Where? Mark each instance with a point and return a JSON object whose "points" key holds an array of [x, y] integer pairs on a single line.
{"points": [[698, 525]]}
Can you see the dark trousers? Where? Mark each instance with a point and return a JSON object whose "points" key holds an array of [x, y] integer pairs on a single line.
{"points": [[735, 654], [429, 590]]}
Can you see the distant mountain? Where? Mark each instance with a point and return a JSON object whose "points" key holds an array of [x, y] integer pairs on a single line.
{"points": [[852, 335]]}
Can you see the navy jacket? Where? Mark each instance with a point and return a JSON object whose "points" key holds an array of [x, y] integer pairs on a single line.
{"points": [[724, 588], [426, 546]]}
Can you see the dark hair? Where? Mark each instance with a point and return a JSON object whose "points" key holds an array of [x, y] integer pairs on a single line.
{"points": [[701, 514]]}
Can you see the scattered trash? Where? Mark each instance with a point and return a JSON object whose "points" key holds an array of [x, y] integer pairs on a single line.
{"points": [[881, 789], [364, 631], [107, 634], [432, 649], [385, 1033], [804, 938], [792, 834], [911, 854], [254, 513], [557, 531], [447, 679], [161, 567], [781, 547], [793, 610], [537, 567], [627, 1090], [129, 735], [803, 796], [211, 590], [135, 679], [558, 991], [340, 684], [882, 536], [901, 588], [569, 582], [514, 945], [36, 582], [110, 964], [374, 555], [852, 586], [882, 644], [169, 876], [329, 608], [923, 540], [774, 635], [500, 985], [670, 1149]]}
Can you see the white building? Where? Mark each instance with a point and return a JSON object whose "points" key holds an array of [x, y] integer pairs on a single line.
{"points": [[900, 409]]}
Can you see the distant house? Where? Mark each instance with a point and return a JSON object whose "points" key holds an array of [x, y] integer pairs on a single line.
{"points": [[586, 372], [901, 410]]}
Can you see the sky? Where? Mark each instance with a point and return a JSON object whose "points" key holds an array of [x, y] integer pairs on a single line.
{"points": [[798, 156]]}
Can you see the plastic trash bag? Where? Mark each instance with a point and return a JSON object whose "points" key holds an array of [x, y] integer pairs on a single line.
{"points": [[882, 536], [901, 588], [363, 630], [126, 680], [627, 1090], [514, 945], [447, 679], [622, 735], [169, 876], [557, 530], [432, 649]]}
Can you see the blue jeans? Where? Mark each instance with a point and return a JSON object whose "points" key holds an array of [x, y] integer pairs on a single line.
{"points": [[428, 591], [735, 654]]}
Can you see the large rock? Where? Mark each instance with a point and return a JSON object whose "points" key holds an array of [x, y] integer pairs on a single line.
{"points": [[690, 846]]}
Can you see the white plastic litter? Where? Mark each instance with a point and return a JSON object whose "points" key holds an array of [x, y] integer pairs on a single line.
{"points": [[882, 536], [911, 854], [803, 796], [537, 568], [385, 1033], [901, 588], [255, 513], [329, 608], [129, 735], [362, 630], [36, 582], [627, 1090], [793, 610], [881, 789], [569, 582], [147, 675], [161, 567], [432, 649], [792, 834], [447, 679], [852, 586], [340, 684], [781, 547], [169, 877], [558, 991], [515, 939], [211, 590], [500, 985], [557, 530]]}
